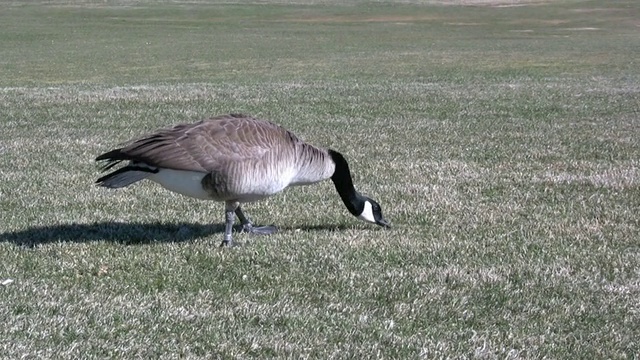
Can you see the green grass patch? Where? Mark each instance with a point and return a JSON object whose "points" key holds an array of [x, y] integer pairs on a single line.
{"points": [[501, 142]]}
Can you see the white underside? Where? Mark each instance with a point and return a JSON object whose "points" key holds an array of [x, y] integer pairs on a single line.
{"points": [[187, 183]]}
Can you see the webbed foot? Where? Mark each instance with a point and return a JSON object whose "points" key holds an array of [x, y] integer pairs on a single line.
{"points": [[259, 230]]}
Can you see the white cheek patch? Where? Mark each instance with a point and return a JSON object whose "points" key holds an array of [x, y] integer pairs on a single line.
{"points": [[367, 213]]}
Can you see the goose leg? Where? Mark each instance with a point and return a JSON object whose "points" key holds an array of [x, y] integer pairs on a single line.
{"points": [[230, 218], [247, 226]]}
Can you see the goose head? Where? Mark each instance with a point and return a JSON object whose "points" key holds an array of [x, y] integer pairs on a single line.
{"points": [[360, 206], [370, 211]]}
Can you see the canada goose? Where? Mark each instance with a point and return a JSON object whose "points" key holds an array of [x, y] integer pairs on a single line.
{"points": [[236, 159]]}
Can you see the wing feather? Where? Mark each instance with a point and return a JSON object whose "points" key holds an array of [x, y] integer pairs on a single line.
{"points": [[210, 145]]}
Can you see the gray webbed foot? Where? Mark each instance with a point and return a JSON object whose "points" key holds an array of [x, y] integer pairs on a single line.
{"points": [[248, 227], [229, 244], [259, 230]]}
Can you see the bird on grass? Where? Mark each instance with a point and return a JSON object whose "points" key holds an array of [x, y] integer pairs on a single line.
{"points": [[234, 159]]}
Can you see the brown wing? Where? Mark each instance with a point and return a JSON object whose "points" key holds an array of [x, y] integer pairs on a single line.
{"points": [[209, 145]]}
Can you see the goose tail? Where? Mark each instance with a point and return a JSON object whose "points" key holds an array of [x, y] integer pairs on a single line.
{"points": [[123, 176]]}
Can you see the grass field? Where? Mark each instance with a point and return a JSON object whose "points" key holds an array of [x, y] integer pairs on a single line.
{"points": [[502, 142]]}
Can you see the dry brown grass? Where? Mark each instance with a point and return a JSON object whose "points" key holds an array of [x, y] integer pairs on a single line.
{"points": [[506, 161]]}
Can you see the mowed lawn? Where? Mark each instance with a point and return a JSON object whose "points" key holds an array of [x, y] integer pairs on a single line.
{"points": [[502, 139]]}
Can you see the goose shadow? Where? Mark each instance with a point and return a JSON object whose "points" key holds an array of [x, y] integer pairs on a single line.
{"points": [[135, 233]]}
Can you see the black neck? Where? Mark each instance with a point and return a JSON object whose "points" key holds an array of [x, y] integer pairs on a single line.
{"points": [[344, 184]]}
